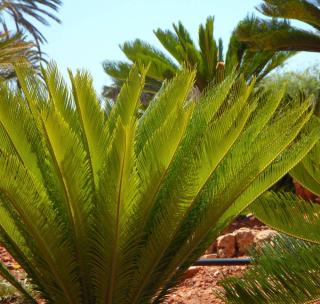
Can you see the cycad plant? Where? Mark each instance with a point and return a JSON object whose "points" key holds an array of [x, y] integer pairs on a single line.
{"points": [[110, 207], [207, 59]]}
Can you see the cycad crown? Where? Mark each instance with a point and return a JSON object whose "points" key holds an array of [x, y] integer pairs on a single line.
{"points": [[105, 207]]}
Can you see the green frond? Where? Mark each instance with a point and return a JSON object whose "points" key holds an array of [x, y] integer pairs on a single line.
{"points": [[27, 15], [161, 106], [161, 66], [91, 120], [17, 245], [293, 40], [286, 272], [289, 214], [276, 35], [34, 91], [277, 60], [209, 50], [119, 71], [183, 34], [235, 52], [16, 131], [28, 200], [307, 172], [117, 191], [14, 49], [170, 42], [59, 94], [302, 10]]}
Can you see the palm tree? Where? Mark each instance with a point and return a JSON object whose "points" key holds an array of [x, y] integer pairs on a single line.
{"points": [[24, 12], [277, 34], [13, 50], [105, 207], [207, 59]]}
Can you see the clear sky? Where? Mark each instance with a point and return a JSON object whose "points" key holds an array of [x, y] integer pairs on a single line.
{"points": [[91, 31]]}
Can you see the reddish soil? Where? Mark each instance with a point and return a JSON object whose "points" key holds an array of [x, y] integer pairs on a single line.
{"points": [[202, 288]]}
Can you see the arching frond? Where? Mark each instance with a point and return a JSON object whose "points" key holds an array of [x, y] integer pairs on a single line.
{"points": [[307, 172], [304, 11], [289, 214], [278, 35], [275, 35], [25, 12], [161, 66], [209, 50]]}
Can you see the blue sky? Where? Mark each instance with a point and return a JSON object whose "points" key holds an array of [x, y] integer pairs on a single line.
{"points": [[91, 31]]}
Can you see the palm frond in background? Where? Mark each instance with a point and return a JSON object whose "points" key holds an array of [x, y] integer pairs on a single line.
{"points": [[206, 58], [13, 50], [28, 14], [277, 34]]}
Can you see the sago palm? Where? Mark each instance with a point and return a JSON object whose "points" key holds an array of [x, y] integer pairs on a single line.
{"points": [[277, 34], [113, 207], [288, 272], [207, 59]]}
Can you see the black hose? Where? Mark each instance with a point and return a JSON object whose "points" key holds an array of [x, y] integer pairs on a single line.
{"points": [[223, 262]]}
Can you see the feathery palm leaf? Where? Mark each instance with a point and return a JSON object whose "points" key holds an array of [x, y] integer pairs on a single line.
{"points": [[15, 49], [289, 214], [277, 35], [104, 207], [25, 12], [307, 172]]}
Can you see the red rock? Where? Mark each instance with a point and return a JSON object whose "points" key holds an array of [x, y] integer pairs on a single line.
{"points": [[191, 272], [244, 239], [209, 256], [264, 236], [226, 246]]}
